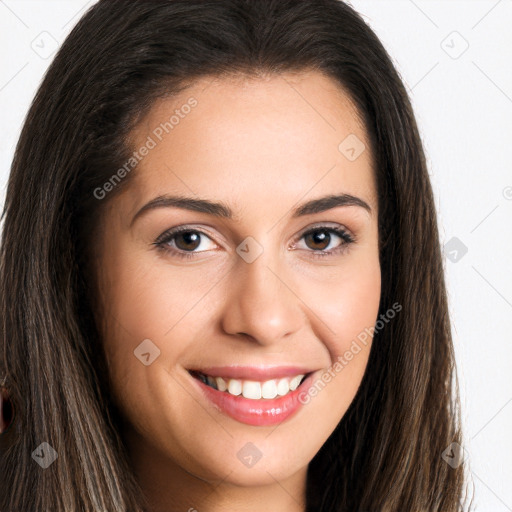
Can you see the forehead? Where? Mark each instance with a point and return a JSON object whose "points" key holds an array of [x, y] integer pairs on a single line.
{"points": [[248, 140]]}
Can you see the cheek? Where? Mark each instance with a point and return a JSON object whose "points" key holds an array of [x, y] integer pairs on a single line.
{"points": [[349, 311], [146, 299], [347, 303]]}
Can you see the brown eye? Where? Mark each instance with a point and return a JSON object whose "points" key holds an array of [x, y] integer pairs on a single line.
{"points": [[187, 240], [318, 239], [326, 241], [184, 242]]}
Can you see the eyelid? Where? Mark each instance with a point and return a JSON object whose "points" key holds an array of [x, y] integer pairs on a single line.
{"points": [[326, 226], [169, 233]]}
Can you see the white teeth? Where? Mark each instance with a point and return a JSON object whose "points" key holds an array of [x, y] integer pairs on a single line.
{"points": [[255, 390], [283, 387], [294, 383], [251, 389], [221, 384], [269, 389], [235, 387]]}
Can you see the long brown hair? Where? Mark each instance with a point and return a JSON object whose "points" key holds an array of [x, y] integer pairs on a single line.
{"points": [[386, 453]]}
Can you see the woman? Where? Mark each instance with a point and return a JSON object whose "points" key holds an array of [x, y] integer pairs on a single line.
{"points": [[221, 280]]}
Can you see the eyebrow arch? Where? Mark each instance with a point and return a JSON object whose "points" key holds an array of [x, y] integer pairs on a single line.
{"points": [[219, 209]]}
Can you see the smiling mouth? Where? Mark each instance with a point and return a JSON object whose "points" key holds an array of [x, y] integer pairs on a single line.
{"points": [[252, 389]]}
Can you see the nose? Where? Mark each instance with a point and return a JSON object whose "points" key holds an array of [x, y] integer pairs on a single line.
{"points": [[261, 303]]}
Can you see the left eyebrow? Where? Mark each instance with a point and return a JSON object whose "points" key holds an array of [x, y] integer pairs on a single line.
{"points": [[219, 209], [325, 203]]}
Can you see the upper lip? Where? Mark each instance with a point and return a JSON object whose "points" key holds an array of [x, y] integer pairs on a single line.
{"points": [[253, 372]]}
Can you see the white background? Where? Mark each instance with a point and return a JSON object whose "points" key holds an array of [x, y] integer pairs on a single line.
{"points": [[463, 101]]}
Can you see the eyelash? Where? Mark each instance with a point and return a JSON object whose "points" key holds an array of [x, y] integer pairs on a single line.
{"points": [[168, 236]]}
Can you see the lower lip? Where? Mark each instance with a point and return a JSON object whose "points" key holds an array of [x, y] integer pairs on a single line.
{"points": [[256, 412]]}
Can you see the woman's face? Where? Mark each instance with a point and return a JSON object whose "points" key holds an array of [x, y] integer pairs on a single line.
{"points": [[256, 290]]}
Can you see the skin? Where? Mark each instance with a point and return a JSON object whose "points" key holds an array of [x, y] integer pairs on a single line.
{"points": [[261, 146]]}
